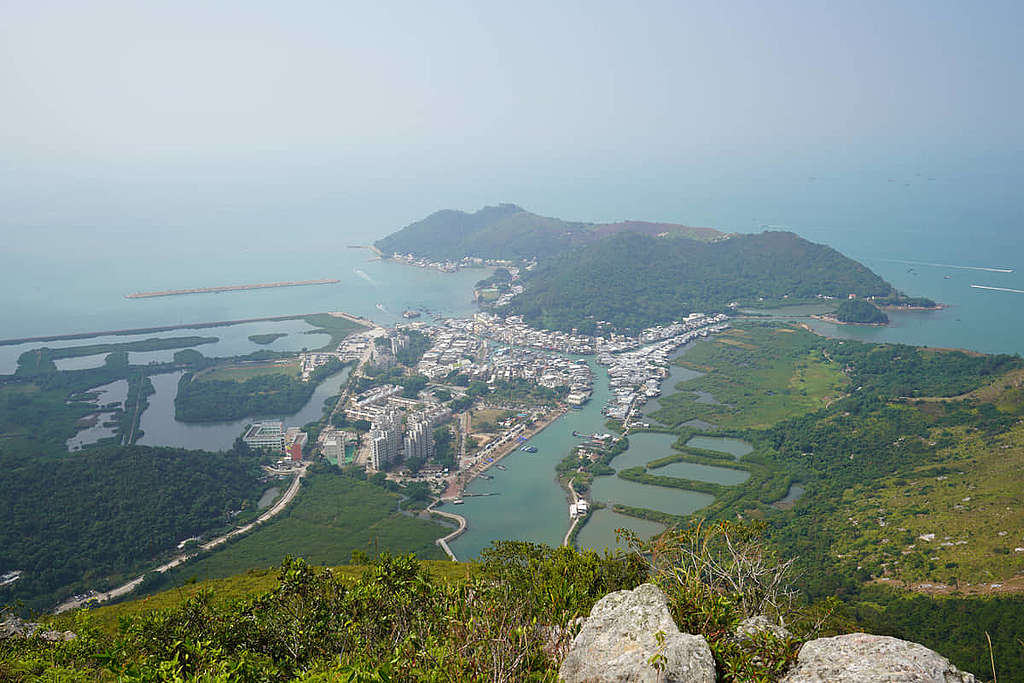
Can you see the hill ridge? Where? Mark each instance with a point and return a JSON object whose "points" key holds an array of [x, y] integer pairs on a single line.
{"points": [[508, 231]]}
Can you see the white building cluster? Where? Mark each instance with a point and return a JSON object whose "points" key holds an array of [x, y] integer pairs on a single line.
{"points": [[265, 436], [506, 298], [635, 376], [512, 330], [401, 431], [385, 440], [578, 509], [449, 266], [456, 346], [333, 443], [354, 346], [423, 262], [544, 369], [453, 347], [311, 360]]}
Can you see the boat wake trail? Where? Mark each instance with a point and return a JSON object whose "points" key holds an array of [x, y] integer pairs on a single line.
{"points": [[363, 275], [1000, 289], [946, 265]]}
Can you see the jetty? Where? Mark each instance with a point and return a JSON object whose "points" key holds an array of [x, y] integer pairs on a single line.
{"points": [[230, 288], [459, 519]]}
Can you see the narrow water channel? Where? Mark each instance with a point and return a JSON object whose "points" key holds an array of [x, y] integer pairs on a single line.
{"points": [[527, 504]]}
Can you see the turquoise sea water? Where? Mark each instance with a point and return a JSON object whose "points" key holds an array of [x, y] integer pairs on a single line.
{"points": [[76, 242]]}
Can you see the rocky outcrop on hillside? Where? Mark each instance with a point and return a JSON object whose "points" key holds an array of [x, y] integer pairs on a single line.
{"points": [[630, 636], [864, 658], [13, 627]]}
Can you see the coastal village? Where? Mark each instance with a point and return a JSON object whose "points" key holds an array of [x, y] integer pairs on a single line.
{"points": [[450, 266], [387, 428]]}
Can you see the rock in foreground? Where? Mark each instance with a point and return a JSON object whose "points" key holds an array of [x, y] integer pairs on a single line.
{"points": [[863, 658], [620, 642], [13, 627]]}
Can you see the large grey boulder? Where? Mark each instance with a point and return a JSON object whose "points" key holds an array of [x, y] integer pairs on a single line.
{"points": [[620, 642], [864, 658]]}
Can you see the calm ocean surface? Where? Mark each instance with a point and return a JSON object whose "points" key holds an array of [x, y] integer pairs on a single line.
{"points": [[68, 260]]}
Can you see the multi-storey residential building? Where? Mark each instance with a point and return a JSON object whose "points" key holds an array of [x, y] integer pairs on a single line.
{"points": [[266, 436]]}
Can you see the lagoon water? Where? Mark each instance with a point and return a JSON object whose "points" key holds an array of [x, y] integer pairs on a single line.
{"points": [[232, 340], [530, 505], [793, 494], [737, 448], [159, 428], [115, 392], [691, 470], [676, 374]]}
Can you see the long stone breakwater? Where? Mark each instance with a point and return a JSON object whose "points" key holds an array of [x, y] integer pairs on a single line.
{"points": [[229, 288]]}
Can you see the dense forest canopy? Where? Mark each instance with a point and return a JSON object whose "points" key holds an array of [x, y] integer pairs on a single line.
{"points": [[70, 521], [634, 281], [508, 231], [857, 311], [223, 400]]}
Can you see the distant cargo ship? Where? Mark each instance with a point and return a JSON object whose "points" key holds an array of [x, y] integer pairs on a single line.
{"points": [[229, 288]]}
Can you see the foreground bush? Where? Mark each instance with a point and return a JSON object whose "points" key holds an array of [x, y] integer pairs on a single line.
{"points": [[510, 619]]}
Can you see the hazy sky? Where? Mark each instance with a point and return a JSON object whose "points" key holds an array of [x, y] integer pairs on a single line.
{"points": [[127, 79], [140, 112]]}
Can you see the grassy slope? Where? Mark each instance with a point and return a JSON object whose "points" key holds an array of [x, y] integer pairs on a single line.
{"points": [[230, 588], [970, 501], [759, 375], [332, 516], [763, 375]]}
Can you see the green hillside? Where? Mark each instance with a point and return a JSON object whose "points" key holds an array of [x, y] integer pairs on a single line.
{"points": [[857, 311], [332, 516], [94, 519], [634, 280], [508, 231]]}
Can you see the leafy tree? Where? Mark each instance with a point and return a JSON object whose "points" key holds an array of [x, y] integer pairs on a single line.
{"points": [[418, 490]]}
